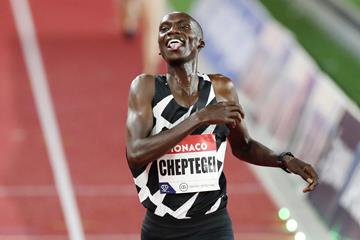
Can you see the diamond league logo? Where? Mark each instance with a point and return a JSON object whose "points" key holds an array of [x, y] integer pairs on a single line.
{"points": [[164, 187]]}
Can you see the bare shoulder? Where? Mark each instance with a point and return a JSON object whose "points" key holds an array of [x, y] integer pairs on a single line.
{"points": [[220, 79], [143, 85], [223, 87], [142, 81]]}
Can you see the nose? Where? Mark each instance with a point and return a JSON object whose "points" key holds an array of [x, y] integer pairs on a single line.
{"points": [[174, 29]]}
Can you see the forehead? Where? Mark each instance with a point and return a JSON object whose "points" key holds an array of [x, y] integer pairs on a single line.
{"points": [[176, 17]]}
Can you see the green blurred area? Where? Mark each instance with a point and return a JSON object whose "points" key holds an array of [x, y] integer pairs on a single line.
{"points": [[333, 58], [355, 3], [181, 5]]}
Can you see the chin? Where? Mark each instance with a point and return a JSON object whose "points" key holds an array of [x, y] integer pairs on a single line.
{"points": [[176, 59]]}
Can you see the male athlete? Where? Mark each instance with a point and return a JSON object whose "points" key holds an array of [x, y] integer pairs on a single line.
{"points": [[177, 128]]}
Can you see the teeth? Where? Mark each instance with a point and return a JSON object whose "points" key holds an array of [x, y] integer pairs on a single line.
{"points": [[174, 41]]}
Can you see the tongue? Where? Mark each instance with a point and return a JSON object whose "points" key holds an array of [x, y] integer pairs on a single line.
{"points": [[175, 45]]}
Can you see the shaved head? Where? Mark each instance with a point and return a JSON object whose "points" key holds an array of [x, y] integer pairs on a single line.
{"points": [[197, 27]]}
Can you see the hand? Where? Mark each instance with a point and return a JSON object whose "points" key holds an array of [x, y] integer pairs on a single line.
{"points": [[304, 170], [222, 113]]}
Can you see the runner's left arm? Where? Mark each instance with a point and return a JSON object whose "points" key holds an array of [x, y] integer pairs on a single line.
{"points": [[248, 149]]}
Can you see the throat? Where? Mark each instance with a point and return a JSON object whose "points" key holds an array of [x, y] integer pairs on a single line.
{"points": [[184, 86], [185, 100], [188, 90], [185, 94]]}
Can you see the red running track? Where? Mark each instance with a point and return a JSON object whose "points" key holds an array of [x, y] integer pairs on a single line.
{"points": [[89, 68]]}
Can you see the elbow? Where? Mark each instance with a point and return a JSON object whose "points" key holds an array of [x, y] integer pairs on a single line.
{"points": [[135, 161]]}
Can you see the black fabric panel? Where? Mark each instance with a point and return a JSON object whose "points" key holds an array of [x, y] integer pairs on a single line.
{"points": [[206, 200], [221, 131], [222, 181], [222, 184], [201, 104], [200, 130], [223, 202], [204, 87], [137, 172], [174, 201], [161, 90], [173, 111], [149, 204], [203, 98], [203, 203], [218, 141], [153, 180], [219, 164]]}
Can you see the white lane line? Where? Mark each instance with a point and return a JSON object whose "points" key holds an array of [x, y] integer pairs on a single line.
{"points": [[26, 30]]}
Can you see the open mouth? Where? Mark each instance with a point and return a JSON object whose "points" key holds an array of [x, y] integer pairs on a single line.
{"points": [[174, 44]]}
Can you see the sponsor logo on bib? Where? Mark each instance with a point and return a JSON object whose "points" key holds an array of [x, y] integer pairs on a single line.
{"points": [[166, 188], [190, 166]]}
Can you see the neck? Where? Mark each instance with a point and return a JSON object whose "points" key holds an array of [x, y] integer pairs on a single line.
{"points": [[184, 77]]}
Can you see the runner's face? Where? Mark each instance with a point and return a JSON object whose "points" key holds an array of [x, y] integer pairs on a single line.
{"points": [[178, 39]]}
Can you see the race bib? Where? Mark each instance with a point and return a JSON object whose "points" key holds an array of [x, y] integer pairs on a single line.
{"points": [[190, 166]]}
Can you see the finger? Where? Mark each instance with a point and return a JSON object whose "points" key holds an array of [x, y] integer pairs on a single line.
{"points": [[308, 178], [242, 112], [313, 182], [233, 107], [236, 117], [307, 189], [227, 103], [237, 109], [231, 122], [311, 186], [312, 172]]}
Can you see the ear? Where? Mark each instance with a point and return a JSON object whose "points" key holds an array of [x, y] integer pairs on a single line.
{"points": [[201, 44]]}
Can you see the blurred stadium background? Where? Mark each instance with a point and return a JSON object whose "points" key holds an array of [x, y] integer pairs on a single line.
{"points": [[65, 71]]}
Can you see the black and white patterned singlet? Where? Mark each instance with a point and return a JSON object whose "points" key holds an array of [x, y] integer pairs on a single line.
{"points": [[167, 114]]}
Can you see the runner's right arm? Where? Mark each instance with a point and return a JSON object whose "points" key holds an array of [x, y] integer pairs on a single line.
{"points": [[141, 148]]}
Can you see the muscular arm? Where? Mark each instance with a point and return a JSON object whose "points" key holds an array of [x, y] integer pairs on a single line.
{"points": [[141, 148], [250, 150], [242, 145], [247, 149]]}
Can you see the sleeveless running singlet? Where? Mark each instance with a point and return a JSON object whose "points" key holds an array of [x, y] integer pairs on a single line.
{"points": [[188, 181]]}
